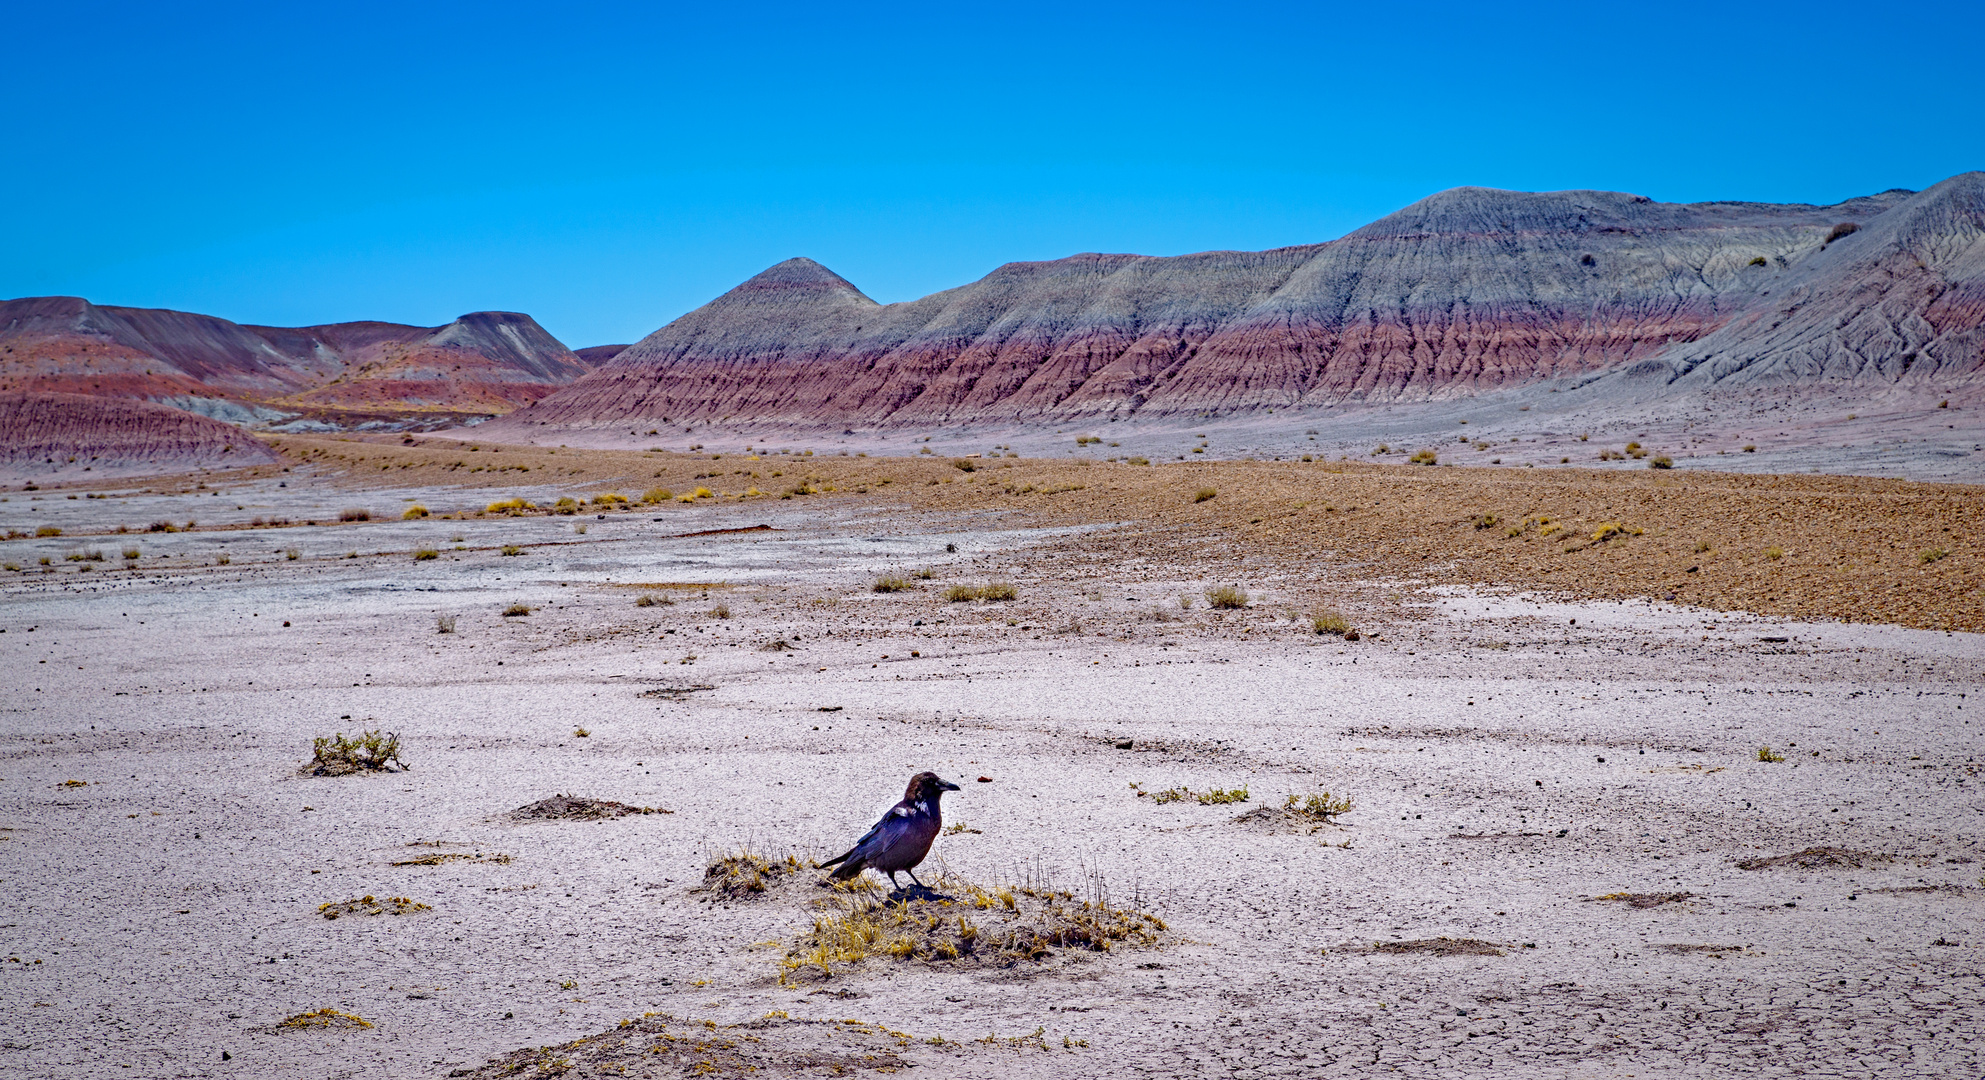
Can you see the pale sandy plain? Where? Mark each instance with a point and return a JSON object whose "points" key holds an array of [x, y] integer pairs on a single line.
{"points": [[1511, 758]]}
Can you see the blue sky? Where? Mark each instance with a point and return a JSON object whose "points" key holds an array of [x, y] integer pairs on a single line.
{"points": [[607, 167]]}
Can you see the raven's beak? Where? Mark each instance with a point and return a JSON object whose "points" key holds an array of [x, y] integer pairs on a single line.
{"points": [[947, 785]]}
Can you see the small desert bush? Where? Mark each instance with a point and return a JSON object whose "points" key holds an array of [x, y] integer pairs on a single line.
{"points": [[645, 600], [50, 530], [512, 549], [1931, 556], [1845, 228], [85, 555], [1485, 521], [132, 553], [654, 496], [1204, 494], [1330, 621], [1425, 457], [1750, 448], [1137, 461], [414, 512], [964, 465], [1765, 754], [515, 610], [424, 554], [222, 559], [354, 513], [1774, 553], [923, 575], [611, 498], [372, 751], [701, 493], [507, 506], [1607, 530], [580, 528], [444, 624], [1226, 597], [1702, 546], [566, 505], [721, 611], [889, 583], [292, 554], [1661, 461]]}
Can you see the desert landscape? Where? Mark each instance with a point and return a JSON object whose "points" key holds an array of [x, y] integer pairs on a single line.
{"points": [[1299, 767]]}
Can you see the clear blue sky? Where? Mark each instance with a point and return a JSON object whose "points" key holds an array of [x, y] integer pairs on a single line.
{"points": [[607, 167]]}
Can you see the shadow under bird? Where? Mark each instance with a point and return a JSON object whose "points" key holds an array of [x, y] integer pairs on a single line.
{"points": [[902, 838]]}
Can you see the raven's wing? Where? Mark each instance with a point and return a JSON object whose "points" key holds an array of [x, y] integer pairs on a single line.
{"points": [[877, 837]]}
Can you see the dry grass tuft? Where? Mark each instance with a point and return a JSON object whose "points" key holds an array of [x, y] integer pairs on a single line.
{"points": [[1332, 621], [414, 513], [325, 1019], [444, 624], [1226, 597], [424, 554], [1815, 858], [994, 591], [1646, 900], [515, 610], [889, 583], [963, 924], [1765, 754], [579, 808], [368, 905], [1441, 946], [745, 875], [354, 513], [372, 751], [1204, 494]]}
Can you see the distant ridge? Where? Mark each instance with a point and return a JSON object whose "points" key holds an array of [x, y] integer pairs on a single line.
{"points": [[72, 434], [337, 375], [1467, 291]]}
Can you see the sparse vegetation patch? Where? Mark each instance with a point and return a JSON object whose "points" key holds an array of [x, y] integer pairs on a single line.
{"points": [[744, 874], [579, 808], [372, 751], [369, 905], [961, 923]]}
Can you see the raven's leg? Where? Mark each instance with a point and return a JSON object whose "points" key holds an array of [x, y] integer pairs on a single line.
{"points": [[913, 877], [892, 881]]}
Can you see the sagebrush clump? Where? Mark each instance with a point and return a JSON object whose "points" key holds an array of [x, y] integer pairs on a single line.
{"points": [[372, 751]]}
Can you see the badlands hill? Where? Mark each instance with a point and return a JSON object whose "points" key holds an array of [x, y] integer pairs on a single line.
{"points": [[43, 434], [1466, 292], [338, 375]]}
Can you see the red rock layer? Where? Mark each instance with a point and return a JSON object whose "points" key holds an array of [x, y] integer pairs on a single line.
{"points": [[1468, 291], [486, 362], [48, 433]]}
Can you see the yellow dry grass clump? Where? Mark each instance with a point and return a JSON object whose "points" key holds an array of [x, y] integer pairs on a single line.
{"points": [[324, 1019], [962, 923]]}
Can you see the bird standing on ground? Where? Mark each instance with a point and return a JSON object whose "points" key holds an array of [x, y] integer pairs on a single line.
{"points": [[903, 837]]}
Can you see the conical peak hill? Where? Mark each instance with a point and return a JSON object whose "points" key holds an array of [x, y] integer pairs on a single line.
{"points": [[797, 280]]}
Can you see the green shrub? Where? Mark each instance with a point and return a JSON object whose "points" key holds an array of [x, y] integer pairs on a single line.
{"points": [[372, 751], [414, 512], [50, 530], [652, 496], [1330, 621]]}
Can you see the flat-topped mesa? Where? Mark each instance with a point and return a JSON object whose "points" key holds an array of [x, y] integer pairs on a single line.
{"points": [[1466, 291]]}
